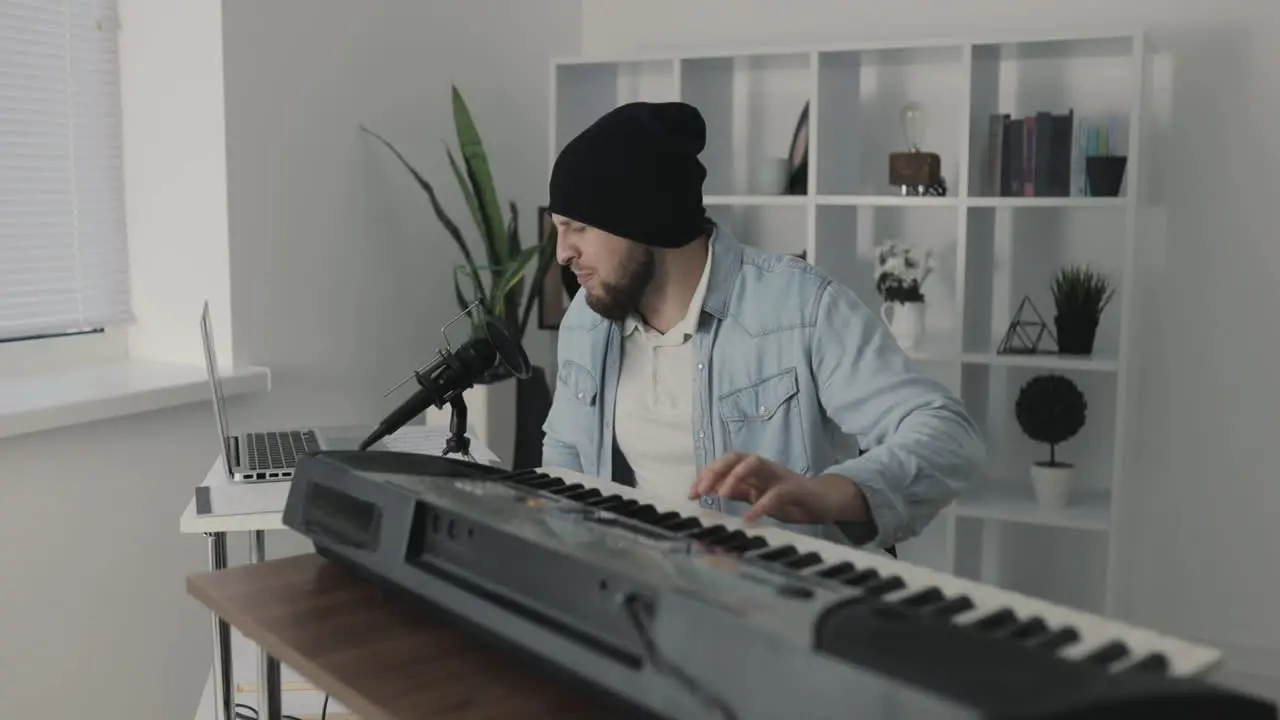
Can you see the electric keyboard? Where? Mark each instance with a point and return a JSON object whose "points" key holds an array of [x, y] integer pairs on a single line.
{"points": [[696, 614]]}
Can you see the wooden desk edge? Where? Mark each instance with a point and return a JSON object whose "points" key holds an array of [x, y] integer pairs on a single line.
{"points": [[197, 587]]}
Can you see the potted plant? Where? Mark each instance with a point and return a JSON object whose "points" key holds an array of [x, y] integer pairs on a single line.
{"points": [[1051, 409], [900, 276], [1080, 294], [497, 284]]}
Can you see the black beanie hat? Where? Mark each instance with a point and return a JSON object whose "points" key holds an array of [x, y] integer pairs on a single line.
{"points": [[635, 173]]}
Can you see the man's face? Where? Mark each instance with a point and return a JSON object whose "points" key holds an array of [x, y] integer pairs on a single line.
{"points": [[614, 272]]}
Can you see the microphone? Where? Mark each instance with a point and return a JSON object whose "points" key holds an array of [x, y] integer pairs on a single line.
{"points": [[451, 372]]}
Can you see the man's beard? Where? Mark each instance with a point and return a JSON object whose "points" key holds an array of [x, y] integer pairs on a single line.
{"points": [[616, 300]]}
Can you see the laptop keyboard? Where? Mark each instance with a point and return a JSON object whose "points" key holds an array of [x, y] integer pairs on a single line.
{"points": [[277, 450]]}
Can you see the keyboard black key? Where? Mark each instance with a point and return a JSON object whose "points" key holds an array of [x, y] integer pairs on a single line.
{"points": [[622, 507], [710, 534], [680, 524], [546, 483], [800, 562], [1028, 630], [884, 586], [523, 477], [952, 607], [998, 620], [861, 577], [581, 495], [1155, 662], [643, 513], [837, 571], [662, 519], [727, 539], [922, 598], [753, 543], [1058, 639], [1107, 654], [735, 541], [603, 500], [776, 554], [568, 490]]}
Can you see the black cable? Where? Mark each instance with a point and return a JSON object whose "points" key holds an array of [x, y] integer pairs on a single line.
{"points": [[242, 713], [324, 709], [639, 611]]}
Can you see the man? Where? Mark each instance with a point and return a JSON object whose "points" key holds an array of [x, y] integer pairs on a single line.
{"points": [[701, 370]]}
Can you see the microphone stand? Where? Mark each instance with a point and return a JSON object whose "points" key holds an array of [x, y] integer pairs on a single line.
{"points": [[458, 442]]}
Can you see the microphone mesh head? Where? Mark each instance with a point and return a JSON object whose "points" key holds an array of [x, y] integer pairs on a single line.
{"points": [[510, 353]]}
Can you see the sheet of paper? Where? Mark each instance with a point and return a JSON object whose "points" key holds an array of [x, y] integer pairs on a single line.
{"points": [[430, 440], [230, 498]]}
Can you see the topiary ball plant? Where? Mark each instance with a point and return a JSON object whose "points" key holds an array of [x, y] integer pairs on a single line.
{"points": [[1051, 409]]}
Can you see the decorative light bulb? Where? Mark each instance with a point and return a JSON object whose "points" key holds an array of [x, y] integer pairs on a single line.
{"points": [[913, 118]]}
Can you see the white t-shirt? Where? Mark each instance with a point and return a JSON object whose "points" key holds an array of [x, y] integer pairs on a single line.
{"points": [[653, 414]]}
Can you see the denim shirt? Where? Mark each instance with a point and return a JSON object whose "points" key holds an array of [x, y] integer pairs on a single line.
{"points": [[791, 366]]}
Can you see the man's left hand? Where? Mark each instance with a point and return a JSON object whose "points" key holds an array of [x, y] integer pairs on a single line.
{"points": [[779, 492]]}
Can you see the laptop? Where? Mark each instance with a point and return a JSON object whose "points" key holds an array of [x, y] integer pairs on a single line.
{"points": [[267, 456]]}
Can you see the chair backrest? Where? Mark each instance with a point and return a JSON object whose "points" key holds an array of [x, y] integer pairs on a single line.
{"points": [[533, 402]]}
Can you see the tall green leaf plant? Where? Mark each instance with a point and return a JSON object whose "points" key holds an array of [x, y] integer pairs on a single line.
{"points": [[497, 284]]}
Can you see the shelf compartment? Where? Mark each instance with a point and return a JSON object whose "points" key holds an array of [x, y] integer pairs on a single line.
{"points": [[847, 238], [752, 106], [1084, 82], [1014, 501], [990, 394], [772, 228], [1012, 253], [861, 94], [585, 91]]}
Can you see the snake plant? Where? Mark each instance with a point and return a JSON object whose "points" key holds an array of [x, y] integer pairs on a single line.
{"points": [[497, 283]]}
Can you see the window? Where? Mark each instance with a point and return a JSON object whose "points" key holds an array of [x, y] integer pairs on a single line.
{"points": [[63, 257]]}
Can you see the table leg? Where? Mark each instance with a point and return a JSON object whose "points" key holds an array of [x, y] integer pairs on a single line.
{"points": [[223, 677], [268, 667]]}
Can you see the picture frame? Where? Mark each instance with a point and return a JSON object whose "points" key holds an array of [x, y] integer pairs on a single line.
{"points": [[558, 285], [798, 157]]}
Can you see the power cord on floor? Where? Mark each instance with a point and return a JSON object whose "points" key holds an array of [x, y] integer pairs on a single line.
{"points": [[243, 711]]}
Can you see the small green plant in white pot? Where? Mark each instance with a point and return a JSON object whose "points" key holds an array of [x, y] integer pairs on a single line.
{"points": [[1051, 409]]}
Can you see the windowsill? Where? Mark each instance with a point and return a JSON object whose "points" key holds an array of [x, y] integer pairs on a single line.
{"points": [[33, 403]]}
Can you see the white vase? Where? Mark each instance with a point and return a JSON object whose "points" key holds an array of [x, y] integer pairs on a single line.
{"points": [[906, 323], [1051, 483]]}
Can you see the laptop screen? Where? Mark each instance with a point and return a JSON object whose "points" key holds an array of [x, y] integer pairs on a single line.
{"points": [[215, 386]]}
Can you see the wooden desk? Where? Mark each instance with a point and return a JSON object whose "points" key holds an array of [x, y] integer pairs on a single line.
{"points": [[376, 653]]}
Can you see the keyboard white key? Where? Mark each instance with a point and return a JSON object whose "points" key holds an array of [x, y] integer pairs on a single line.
{"points": [[1185, 659]]}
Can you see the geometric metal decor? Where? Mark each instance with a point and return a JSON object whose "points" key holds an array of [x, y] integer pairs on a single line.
{"points": [[1025, 334]]}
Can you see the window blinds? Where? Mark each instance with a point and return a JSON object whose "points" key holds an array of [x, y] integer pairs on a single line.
{"points": [[63, 256]]}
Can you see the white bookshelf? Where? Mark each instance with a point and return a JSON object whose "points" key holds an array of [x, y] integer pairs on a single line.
{"points": [[992, 250]]}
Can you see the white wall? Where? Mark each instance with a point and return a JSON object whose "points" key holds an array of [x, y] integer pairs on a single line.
{"points": [[1200, 537], [176, 175], [334, 276], [340, 270]]}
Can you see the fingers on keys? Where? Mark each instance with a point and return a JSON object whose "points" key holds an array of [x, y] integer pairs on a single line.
{"points": [[712, 475]]}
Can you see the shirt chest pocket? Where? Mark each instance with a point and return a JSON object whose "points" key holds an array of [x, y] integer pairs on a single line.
{"points": [[764, 418], [579, 383], [576, 412]]}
